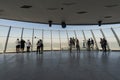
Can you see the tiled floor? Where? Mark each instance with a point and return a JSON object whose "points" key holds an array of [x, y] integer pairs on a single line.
{"points": [[60, 65]]}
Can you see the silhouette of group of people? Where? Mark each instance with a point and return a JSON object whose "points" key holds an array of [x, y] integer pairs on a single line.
{"points": [[39, 46], [90, 44], [20, 45], [74, 43], [103, 43]]}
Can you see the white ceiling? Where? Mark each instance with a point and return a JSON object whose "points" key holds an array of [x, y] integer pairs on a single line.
{"points": [[70, 11]]}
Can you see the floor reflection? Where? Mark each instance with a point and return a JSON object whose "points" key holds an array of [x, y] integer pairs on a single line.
{"points": [[60, 65]]}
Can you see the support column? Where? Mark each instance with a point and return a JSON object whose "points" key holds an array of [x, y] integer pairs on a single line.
{"points": [[84, 38], [84, 35], [42, 34], [51, 41], [105, 38], [116, 36], [67, 37], [59, 39], [75, 34], [43, 38], [7, 39], [95, 40], [32, 40], [22, 33]]}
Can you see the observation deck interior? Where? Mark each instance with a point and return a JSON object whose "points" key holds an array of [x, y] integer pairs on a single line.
{"points": [[55, 22]]}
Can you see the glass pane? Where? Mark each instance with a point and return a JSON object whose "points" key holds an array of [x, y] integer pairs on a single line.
{"points": [[111, 39], [3, 36], [71, 34], [98, 35], [64, 40], [55, 40], [15, 34], [88, 34], [47, 40]]}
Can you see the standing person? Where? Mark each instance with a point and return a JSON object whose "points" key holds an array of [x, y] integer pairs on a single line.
{"points": [[70, 44], [88, 44], [17, 46], [104, 44], [28, 45], [38, 47], [22, 45], [77, 45], [41, 46], [92, 43]]}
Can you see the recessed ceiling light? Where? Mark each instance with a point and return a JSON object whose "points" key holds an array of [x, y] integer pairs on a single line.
{"points": [[26, 6], [110, 6], [108, 17], [52, 8], [69, 3], [82, 12]]}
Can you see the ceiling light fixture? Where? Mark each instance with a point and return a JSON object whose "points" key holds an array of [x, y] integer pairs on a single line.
{"points": [[50, 23], [26, 6], [82, 12], [99, 23], [63, 24], [110, 6], [108, 17]]}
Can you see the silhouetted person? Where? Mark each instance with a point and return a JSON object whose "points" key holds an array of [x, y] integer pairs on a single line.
{"points": [[77, 45], [70, 44], [38, 47], [92, 43], [88, 44], [17, 46], [28, 45], [101, 42], [41, 46], [104, 44], [22, 45]]}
